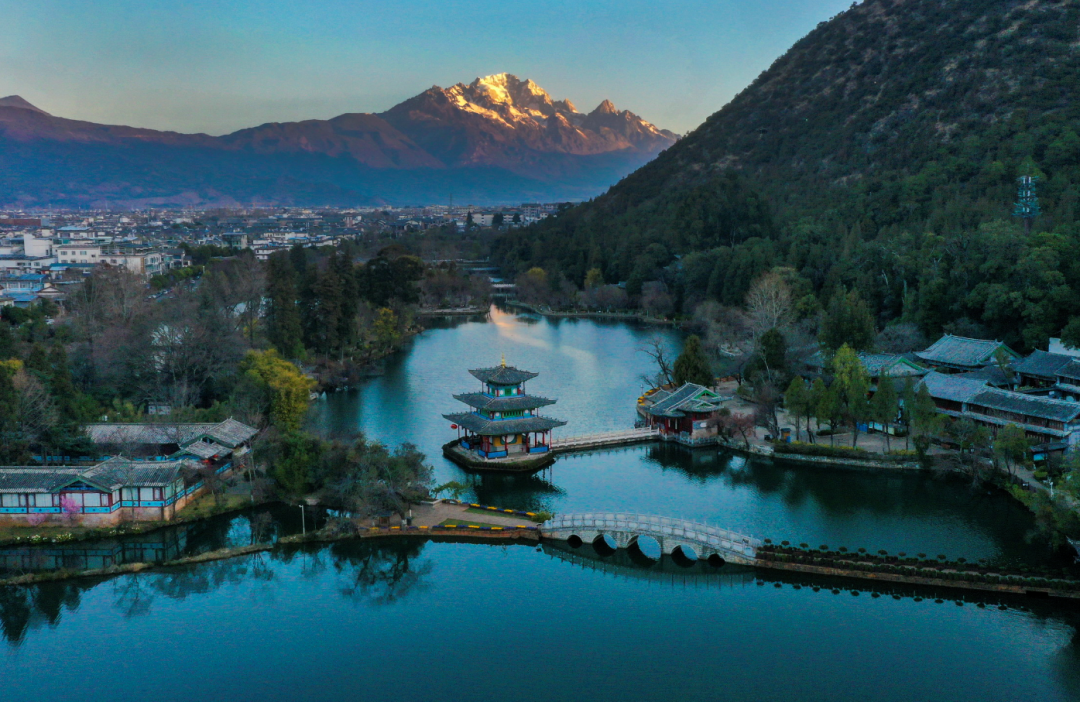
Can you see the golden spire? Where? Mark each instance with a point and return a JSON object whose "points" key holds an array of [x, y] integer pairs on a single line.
{"points": [[504, 360]]}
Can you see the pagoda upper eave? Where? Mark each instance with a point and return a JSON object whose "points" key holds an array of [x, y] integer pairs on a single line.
{"points": [[502, 375], [482, 401], [503, 427]]}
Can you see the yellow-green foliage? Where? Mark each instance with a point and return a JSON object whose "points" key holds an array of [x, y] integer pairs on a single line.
{"points": [[288, 387], [11, 366]]}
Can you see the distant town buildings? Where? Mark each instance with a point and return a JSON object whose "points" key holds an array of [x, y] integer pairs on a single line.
{"points": [[64, 247]]}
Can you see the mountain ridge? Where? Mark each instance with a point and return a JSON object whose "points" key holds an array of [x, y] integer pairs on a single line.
{"points": [[879, 153], [496, 123]]}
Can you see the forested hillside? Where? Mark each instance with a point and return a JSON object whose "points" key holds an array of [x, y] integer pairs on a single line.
{"points": [[880, 153]]}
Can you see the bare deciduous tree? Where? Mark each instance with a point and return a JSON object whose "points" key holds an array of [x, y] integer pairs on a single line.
{"points": [[654, 348], [768, 304]]}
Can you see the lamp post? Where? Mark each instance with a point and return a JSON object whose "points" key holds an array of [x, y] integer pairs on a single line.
{"points": [[303, 522]]}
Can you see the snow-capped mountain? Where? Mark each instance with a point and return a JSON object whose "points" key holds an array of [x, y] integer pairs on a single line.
{"points": [[496, 139], [503, 121]]}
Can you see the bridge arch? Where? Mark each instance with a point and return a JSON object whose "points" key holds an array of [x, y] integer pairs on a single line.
{"points": [[644, 546], [710, 544], [684, 555], [605, 545]]}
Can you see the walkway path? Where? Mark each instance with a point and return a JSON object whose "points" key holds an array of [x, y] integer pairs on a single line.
{"points": [[437, 513]]}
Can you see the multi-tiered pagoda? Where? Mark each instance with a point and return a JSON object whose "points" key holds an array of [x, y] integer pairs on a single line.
{"points": [[503, 430]]}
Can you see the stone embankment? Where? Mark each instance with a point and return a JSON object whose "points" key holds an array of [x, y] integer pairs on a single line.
{"points": [[590, 314], [901, 568], [508, 528]]}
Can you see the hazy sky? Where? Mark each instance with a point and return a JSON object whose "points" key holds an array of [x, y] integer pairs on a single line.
{"points": [[220, 65]]}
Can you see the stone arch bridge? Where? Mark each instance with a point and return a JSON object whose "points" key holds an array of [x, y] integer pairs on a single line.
{"points": [[677, 537]]}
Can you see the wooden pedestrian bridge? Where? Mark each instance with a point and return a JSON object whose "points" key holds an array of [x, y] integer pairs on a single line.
{"points": [[677, 537], [603, 439]]}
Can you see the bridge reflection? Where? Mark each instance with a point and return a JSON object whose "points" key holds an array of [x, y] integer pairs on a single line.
{"points": [[629, 563]]}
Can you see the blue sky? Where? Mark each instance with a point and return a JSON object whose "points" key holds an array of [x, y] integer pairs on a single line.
{"points": [[217, 66]]}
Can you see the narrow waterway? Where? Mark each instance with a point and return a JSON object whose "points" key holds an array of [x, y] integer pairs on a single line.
{"points": [[415, 620]]}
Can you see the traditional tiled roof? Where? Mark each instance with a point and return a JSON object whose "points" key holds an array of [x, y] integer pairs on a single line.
{"points": [[502, 375], [230, 433], [121, 472], [962, 352], [1070, 371], [30, 479], [991, 375], [690, 398], [889, 364], [203, 449], [952, 388], [893, 365], [503, 404], [1027, 405], [108, 475], [501, 427], [1041, 364]]}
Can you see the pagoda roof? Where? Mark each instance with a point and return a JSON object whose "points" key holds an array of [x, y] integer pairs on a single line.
{"points": [[502, 427], [483, 401], [691, 397], [503, 375]]}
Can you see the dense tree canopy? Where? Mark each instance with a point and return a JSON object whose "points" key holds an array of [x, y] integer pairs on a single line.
{"points": [[880, 156]]}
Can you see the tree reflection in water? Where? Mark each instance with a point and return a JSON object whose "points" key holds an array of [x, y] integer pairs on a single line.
{"points": [[379, 572], [25, 608]]}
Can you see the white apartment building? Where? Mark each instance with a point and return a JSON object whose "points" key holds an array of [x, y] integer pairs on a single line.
{"points": [[78, 253]]}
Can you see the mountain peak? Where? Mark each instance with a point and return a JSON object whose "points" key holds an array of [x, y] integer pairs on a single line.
{"points": [[508, 89], [17, 101], [605, 108]]}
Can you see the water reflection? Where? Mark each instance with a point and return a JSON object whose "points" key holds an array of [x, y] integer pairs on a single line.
{"points": [[379, 573], [299, 607], [258, 525]]}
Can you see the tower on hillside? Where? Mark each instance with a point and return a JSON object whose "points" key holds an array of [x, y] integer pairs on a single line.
{"points": [[1027, 201]]}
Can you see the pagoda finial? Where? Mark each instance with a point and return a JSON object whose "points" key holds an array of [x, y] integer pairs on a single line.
{"points": [[504, 360]]}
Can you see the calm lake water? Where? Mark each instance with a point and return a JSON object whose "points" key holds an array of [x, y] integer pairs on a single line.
{"points": [[461, 621]]}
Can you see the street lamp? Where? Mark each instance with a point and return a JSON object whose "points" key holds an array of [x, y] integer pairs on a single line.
{"points": [[303, 522]]}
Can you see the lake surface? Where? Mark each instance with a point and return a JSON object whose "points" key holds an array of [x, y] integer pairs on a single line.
{"points": [[464, 621], [439, 621]]}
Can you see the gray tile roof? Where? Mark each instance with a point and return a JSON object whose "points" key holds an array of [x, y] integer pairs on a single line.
{"points": [[962, 352], [26, 479], [501, 427], [1027, 405], [230, 433], [1042, 364], [991, 375], [503, 404], [891, 364], [203, 449], [952, 388], [502, 375], [1070, 371], [109, 475], [688, 398]]}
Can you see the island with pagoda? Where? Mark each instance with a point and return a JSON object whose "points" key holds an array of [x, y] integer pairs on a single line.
{"points": [[502, 431]]}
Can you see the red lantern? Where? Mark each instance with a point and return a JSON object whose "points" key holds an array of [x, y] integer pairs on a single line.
{"points": [[453, 426]]}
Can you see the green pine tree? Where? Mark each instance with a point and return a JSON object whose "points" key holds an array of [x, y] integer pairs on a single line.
{"points": [[885, 405], [797, 402], [692, 365], [283, 330], [847, 320], [852, 384]]}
